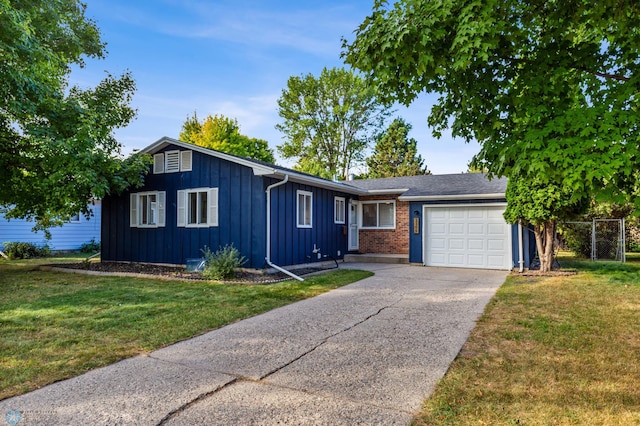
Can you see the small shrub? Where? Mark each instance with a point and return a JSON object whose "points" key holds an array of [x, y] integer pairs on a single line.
{"points": [[21, 250], [223, 263], [90, 246], [633, 247]]}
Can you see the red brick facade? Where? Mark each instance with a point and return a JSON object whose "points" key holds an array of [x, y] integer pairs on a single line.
{"points": [[387, 241]]}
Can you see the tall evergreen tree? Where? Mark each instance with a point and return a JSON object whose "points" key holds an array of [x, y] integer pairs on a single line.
{"points": [[395, 154]]}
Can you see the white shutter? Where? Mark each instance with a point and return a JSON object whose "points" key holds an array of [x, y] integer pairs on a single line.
{"points": [[182, 208], [158, 163], [213, 207], [185, 161], [172, 161], [162, 196], [133, 211]]}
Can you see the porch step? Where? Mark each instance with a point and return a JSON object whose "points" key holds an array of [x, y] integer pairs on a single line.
{"points": [[376, 258]]}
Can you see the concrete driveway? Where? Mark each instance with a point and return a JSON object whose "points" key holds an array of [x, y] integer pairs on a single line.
{"points": [[368, 353]]}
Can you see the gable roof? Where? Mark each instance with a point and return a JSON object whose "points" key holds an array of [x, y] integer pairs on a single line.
{"points": [[260, 168], [462, 186]]}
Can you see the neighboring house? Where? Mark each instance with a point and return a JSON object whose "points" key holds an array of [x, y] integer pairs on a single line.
{"points": [[70, 236], [196, 197]]}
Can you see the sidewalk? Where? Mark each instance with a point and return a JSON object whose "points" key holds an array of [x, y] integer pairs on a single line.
{"points": [[368, 353]]}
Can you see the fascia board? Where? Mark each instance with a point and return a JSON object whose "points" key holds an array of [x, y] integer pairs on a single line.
{"points": [[386, 191], [451, 197], [449, 205]]}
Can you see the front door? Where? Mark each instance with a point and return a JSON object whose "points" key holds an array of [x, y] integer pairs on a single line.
{"points": [[353, 226]]}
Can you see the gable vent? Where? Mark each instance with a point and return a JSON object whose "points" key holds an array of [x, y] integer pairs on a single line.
{"points": [[172, 161]]}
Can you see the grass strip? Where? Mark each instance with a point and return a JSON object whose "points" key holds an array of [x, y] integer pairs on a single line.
{"points": [[57, 325], [560, 350]]}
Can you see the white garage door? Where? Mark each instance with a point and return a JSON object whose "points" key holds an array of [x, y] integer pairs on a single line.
{"points": [[467, 237]]}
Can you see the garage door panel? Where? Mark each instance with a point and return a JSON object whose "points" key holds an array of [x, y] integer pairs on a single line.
{"points": [[438, 243], [496, 245], [495, 261], [456, 244], [456, 228], [496, 229], [476, 214], [467, 236], [476, 228], [475, 244]]}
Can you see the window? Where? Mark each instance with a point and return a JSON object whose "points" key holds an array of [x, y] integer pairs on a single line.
{"points": [[379, 214], [147, 209], [304, 208], [339, 210], [198, 207]]}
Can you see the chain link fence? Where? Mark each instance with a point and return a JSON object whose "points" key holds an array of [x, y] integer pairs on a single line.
{"points": [[600, 239]]}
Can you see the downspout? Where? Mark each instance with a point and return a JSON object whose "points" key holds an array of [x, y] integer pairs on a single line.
{"points": [[268, 257], [520, 248]]}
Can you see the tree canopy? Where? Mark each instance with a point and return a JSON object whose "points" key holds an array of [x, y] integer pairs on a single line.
{"points": [[57, 149], [549, 89], [223, 134], [395, 154], [328, 121]]}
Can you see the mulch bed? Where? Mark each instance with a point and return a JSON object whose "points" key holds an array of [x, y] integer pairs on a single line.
{"points": [[179, 272], [552, 273]]}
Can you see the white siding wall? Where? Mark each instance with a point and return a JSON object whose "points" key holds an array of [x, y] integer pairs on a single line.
{"points": [[70, 236]]}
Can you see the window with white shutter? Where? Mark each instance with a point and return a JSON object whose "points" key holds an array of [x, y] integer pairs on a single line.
{"points": [[186, 161], [198, 207], [147, 209], [158, 163]]}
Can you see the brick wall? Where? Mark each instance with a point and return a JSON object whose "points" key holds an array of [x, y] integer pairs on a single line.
{"points": [[387, 241]]}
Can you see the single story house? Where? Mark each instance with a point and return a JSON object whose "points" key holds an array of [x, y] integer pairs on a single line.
{"points": [[196, 197], [70, 236]]}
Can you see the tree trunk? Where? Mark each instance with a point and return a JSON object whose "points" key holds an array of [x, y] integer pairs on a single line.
{"points": [[545, 237]]}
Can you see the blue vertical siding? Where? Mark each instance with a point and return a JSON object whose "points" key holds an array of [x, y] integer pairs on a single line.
{"points": [[291, 245], [241, 203], [69, 236]]}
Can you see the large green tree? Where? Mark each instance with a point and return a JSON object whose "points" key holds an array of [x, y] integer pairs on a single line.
{"points": [[395, 153], [548, 88], [328, 121], [57, 149], [223, 134]]}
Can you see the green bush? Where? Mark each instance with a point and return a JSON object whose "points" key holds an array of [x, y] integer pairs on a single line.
{"points": [[633, 246], [223, 263], [90, 246], [19, 250]]}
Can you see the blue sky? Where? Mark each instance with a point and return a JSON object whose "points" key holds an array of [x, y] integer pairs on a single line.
{"points": [[233, 58]]}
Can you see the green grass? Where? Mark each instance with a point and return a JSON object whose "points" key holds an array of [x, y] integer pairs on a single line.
{"points": [[59, 325], [559, 350]]}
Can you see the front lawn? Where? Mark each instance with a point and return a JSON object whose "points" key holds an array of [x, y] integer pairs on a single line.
{"points": [[58, 325], [561, 350]]}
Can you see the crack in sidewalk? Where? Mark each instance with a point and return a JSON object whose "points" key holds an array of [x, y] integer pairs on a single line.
{"points": [[326, 339], [239, 378]]}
